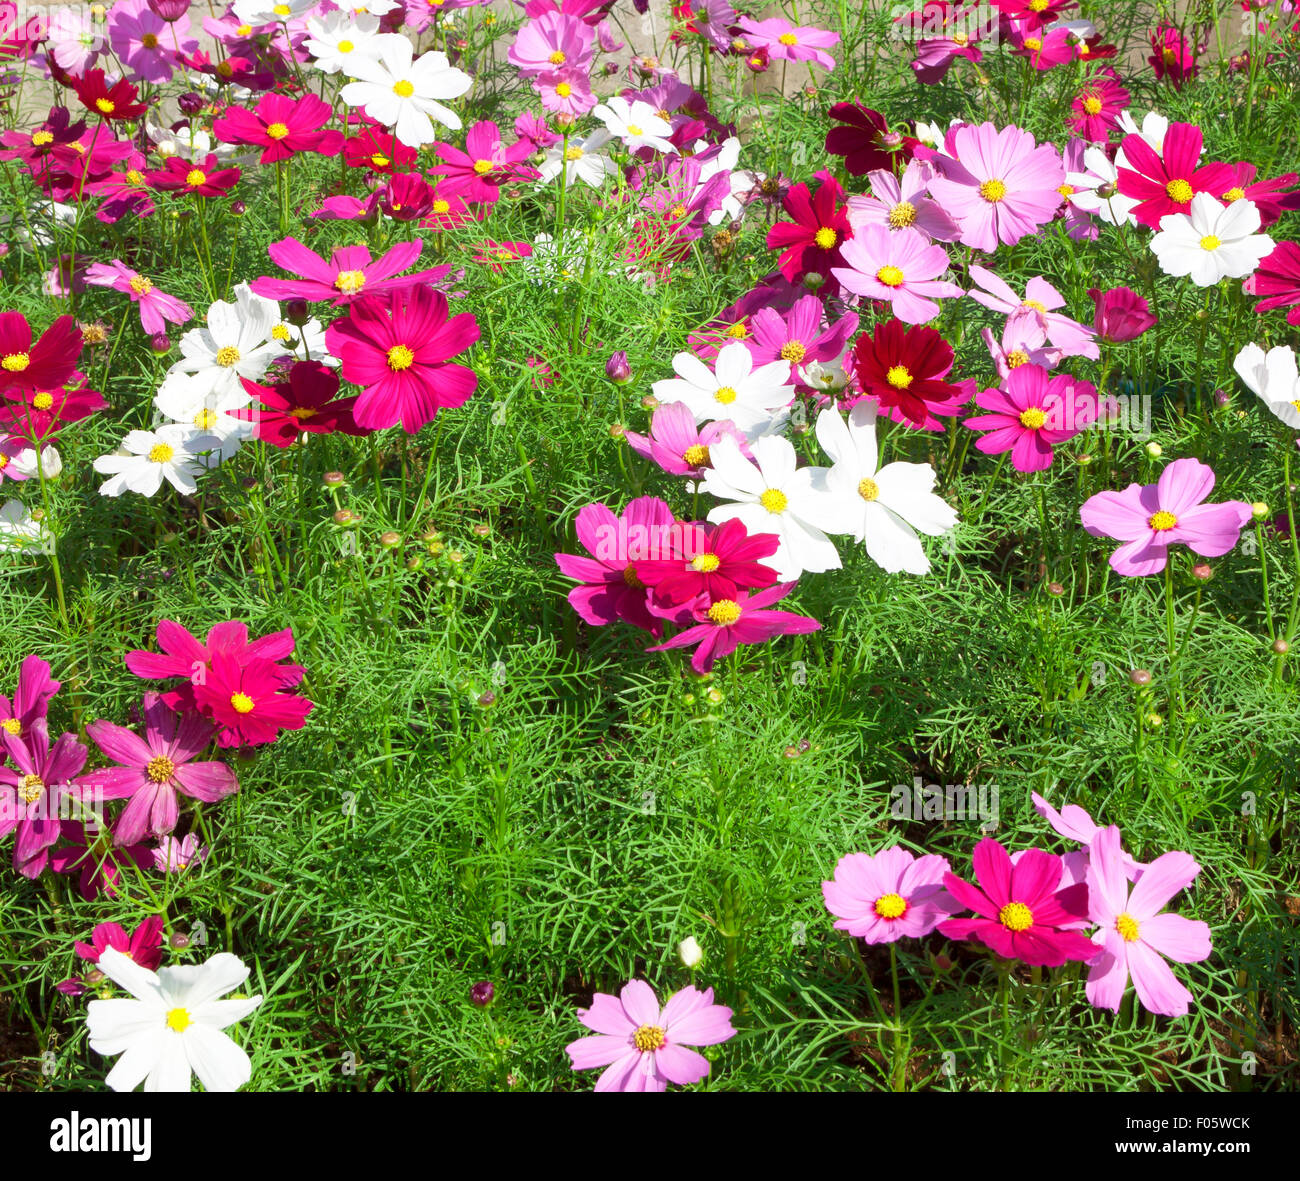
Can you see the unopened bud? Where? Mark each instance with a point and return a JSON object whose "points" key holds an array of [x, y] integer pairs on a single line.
{"points": [[1259, 510], [481, 994], [1202, 571], [296, 312], [1281, 647], [617, 368], [390, 540], [1155, 450], [691, 952], [1140, 676], [333, 480]]}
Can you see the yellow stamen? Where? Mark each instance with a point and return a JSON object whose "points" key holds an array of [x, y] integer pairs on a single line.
{"points": [[825, 238], [350, 282], [890, 276], [106, 105], [993, 190], [400, 357], [242, 703], [1162, 521], [1127, 926], [1180, 192], [482, 167], [1016, 916], [558, 58], [205, 419], [31, 788], [724, 612], [725, 395], [793, 351], [141, 286], [161, 453], [160, 769], [868, 489], [1092, 104], [1210, 242], [774, 500], [788, 39], [899, 377], [403, 89], [15, 362], [697, 455], [196, 177], [890, 906], [1016, 358], [705, 563], [902, 215], [227, 356], [277, 130], [1033, 418], [649, 1037]]}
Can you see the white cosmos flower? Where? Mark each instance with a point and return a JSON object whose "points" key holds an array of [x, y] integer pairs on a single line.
{"points": [[191, 401], [1273, 378], [741, 182], [1154, 129], [733, 389], [146, 458], [174, 1025], [771, 496], [402, 91], [581, 160], [26, 462], [339, 39], [883, 507], [271, 12], [373, 7], [1211, 242], [19, 530], [636, 124], [1096, 191], [193, 143], [237, 342], [827, 376]]}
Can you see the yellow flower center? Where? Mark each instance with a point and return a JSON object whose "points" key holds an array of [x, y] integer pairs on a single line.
{"points": [[1170, 54], [899, 377], [178, 1020], [1127, 926], [277, 130], [573, 153], [1016, 358], [1033, 418], [677, 212], [141, 286], [705, 563], [403, 89], [868, 489], [890, 906], [1092, 104], [301, 412], [697, 455], [1034, 305], [345, 47], [378, 160], [902, 215], [564, 90], [960, 38], [1033, 43], [225, 69], [15, 362], [825, 238], [205, 419], [134, 177], [106, 105], [1180, 192], [1066, 191], [558, 58], [633, 129], [724, 612], [196, 177], [1210, 242], [41, 138], [243, 30], [774, 500], [1037, 5], [482, 167], [241, 703], [282, 10], [649, 1037], [160, 769], [993, 190], [441, 205], [400, 357], [149, 40], [890, 276], [1016, 916], [793, 351], [161, 453], [788, 39], [738, 331], [43, 401], [281, 333], [726, 395], [1234, 194], [1162, 521], [350, 282], [30, 788], [13, 726], [227, 356], [631, 578]]}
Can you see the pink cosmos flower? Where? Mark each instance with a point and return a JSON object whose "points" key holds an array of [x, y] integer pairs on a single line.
{"points": [[902, 204], [958, 36], [550, 41], [496, 256], [1165, 182], [282, 127], [889, 896], [723, 625], [1173, 55], [1134, 932], [92, 855], [146, 44], [143, 945], [797, 334], [173, 856], [999, 185], [1277, 279], [677, 445], [611, 589], [1045, 48], [1031, 414], [183, 656], [486, 163], [154, 768], [398, 351], [1097, 107], [32, 791], [714, 561], [1022, 911], [1121, 314], [243, 696], [1015, 349], [349, 274], [643, 1046], [1268, 196], [1034, 316], [900, 268], [786, 42], [565, 92], [1151, 518], [30, 702], [157, 308], [1074, 824]]}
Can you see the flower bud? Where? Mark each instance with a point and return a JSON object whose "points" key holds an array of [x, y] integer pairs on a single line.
{"points": [[238, 208], [617, 368], [715, 696], [390, 540], [1155, 450], [345, 518], [159, 344], [1055, 589], [1281, 647], [191, 102], [296, 312], [1154, 721], [1222, 397], [814, 282], [1202, 571], [179, 941], [482, 529], [1259, 510], [487, 699], [617, 430], [481, 994], [334, 480], [691, 953], [1140, 676]]}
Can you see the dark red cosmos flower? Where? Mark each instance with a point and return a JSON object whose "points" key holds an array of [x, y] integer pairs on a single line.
{"points": [[1277, 279], [714, 561], [306, 401], [406, 197], [903, 369], [189, 176], [810, 244], [378, 150], [1165, 183], [281, 127], [109, 102], [865, 141], [47, 364]]}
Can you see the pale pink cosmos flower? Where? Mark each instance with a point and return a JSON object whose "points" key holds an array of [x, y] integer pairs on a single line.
{"points": [[901, 269], [552, 40], [156, 307], [1075, 824], [1034, 316], [786, 42], [889, 896], [1015, 349], [173, 856], [902, 203], [1000, 186], [677, 445], [1135, 934], [644, 1046]]}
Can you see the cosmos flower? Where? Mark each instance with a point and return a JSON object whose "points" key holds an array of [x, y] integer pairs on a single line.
{"points": [[349, 274], [282, 127], [143, 946], [1211, 242], [786, 42], [203, 178], [244, 695], [889, 896], [712, 562], [901, 204], [1165, 181], [1277, 279], [903, 369], [1272, 377], [31, 699], [812, 241], [736, 389], [899, 268], [863, 138], [146, 458], [33, 790], [1121, 314], [404, 92], [307, 402], [114, 103], [677, 444], [157, 308], [1030, 414], [44, 365]]}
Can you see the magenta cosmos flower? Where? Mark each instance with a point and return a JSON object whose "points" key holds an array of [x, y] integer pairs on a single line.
{"points": [[183, 656], [999, 186], [173, 856], [1135, 934], [349, 274], [902, 203], [486, 163], [611, 589], [306, 403], [786, 42], [144, 946], [1150, 518], [154, 768], [202, 179], [397, 350], [43, 365], [643, 1046], [1097, 107], [31, 699], [1030, 414], [32, 791], [677, 445], [900, 268], [810, 244], [146, 44], [723, 625], [281, 127], [796, 335], [1165, 182], [1172, 55], [157, 308], [244, 698], [1278, 280], [863, 138], [1121, 314], [714, 561], [889, 896], [1021, 910]]}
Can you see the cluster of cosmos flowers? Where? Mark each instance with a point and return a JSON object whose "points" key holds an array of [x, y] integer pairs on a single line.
{"points": [[868, 253]]}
